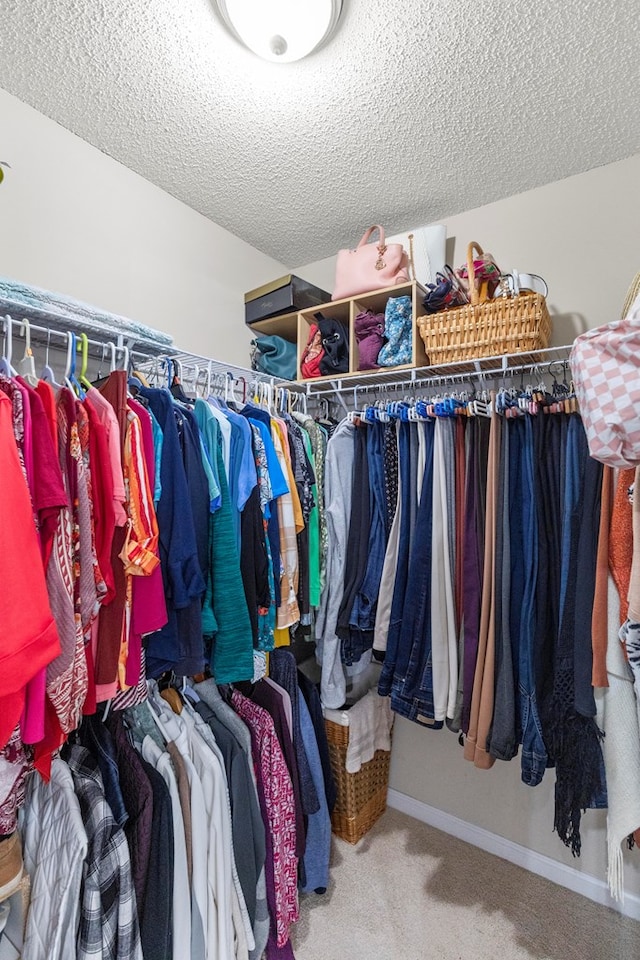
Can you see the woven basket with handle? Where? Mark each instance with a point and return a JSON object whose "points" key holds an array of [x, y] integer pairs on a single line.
{"points": [[484, 329], [362, 796]]}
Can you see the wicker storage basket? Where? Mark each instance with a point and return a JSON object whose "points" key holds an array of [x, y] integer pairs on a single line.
{"points": [[504, 325], [362, 796]]}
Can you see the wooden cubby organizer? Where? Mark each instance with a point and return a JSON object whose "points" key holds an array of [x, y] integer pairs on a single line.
{"points": [[295, 326]]}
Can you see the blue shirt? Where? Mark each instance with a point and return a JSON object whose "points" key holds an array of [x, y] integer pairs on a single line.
{"points": [[243, 477]]}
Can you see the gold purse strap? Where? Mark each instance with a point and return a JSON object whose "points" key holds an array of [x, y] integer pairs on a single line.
{"points": [[632, 293], [367, 236], [412, 263]]}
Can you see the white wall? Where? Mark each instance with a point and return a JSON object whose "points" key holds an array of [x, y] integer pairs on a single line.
{"points": [[74, 221], [581, 235]]}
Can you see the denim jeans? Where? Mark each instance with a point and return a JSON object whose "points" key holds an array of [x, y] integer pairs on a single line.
{"points": [[412, 691], [415, 634], [413, 479], [400, 584], [571, 494], [578, 614], [534, 752], [356, 550], [363, 614], [547, 451]]}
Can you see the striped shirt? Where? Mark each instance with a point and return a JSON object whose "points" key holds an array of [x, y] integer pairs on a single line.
{"points": [[108, 915]]}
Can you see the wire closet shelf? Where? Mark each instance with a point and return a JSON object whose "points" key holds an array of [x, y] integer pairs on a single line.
{"points": [[198, 371], [23, 326], [479, 371], [136, 350]]}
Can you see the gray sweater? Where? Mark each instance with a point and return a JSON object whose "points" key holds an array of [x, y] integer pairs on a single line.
{"points": [[338, 480]]}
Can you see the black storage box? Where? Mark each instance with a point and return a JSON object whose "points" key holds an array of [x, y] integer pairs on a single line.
{"points": [[285, 295]]}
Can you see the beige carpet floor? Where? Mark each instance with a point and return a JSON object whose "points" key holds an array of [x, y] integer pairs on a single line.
{"points": [[409, 892]]}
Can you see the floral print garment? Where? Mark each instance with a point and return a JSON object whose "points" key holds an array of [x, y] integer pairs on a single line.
{"points": [[281, 811]]}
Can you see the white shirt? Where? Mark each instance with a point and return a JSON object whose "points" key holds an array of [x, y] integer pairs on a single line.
{"points": [[181, 923], [338, 480], [173, 730], [242, 923], [54, 849], [212, 880]]}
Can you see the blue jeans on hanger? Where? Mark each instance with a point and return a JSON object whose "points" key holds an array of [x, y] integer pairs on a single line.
{"points": [[400, 584], [412, 691], [363, 614], [534, 752], [571, 495], [413, 478]]}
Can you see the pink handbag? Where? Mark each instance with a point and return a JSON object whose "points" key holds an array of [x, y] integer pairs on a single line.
{"points": [[371, 266], [605, 365]]}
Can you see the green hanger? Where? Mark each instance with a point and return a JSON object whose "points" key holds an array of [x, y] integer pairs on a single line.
{"points": [[83, 346]]}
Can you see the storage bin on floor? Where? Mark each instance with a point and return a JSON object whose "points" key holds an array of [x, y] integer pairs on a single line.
{"points": [[362, 796]]}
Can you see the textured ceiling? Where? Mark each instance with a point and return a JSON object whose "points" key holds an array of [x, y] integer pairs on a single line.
{"points": [[416, 110]]}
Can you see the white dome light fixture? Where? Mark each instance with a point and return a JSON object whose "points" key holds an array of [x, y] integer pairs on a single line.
{"points": [[281, 30]]}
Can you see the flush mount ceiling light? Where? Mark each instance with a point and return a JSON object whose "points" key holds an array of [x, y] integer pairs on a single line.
{"points": [[281, 30]]}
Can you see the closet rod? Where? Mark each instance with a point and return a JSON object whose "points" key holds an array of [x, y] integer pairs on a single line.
{"points": [[186, 359], [540, 369], [21, 327], [145, 361], [99, 353], [480, 375], [482, 368], [47, 314]]}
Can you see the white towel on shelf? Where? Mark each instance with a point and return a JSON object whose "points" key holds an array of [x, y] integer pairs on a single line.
{"points": [[370, 722]]}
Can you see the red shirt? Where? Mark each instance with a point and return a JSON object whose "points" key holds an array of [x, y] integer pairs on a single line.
{"points": [[29, 635]]}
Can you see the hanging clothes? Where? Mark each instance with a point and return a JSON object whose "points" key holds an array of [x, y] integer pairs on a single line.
{"points": [[182, 824], [491, 513], [108, 913], [32, 640], [339, 465]]}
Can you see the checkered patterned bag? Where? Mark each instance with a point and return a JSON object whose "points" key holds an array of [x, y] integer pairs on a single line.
{"points": [[605, 364]]}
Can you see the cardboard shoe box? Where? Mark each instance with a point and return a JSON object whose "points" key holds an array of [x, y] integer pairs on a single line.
{"points": [[285, 295]]}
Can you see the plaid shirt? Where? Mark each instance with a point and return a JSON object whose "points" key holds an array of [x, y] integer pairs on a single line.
{"points": [[108, 915]]}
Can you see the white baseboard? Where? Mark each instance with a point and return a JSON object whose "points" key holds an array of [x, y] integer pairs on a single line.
{"points": [[586, 884]]}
